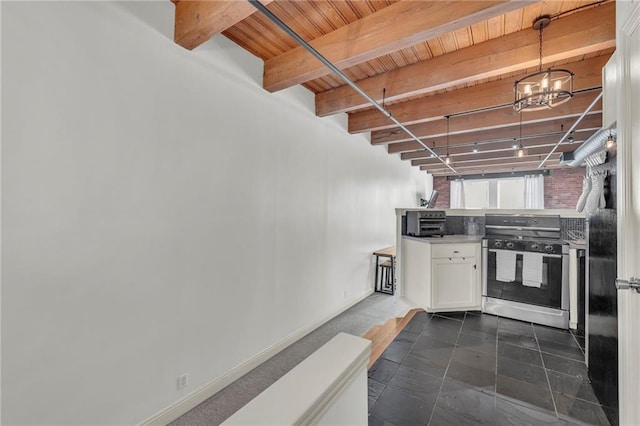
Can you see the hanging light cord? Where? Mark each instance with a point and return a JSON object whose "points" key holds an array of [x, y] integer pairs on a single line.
{"points": [[521, 129], [540, 50], [448, 117]]}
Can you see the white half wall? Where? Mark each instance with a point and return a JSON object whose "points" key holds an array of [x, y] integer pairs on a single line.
{"points": [[162, 214]]}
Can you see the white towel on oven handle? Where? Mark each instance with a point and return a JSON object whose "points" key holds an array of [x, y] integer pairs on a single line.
{"points": [[532, 269], [505, 266]]}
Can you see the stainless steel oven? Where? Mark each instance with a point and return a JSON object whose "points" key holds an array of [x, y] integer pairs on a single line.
{"points": [[526, 269]]}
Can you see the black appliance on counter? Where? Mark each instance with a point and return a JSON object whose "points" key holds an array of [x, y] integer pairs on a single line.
{"points": [[526, 269], [602, 298], [425, 223]]}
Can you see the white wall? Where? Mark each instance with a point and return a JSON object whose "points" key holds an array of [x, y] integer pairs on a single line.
{"points": [[162, 214]]}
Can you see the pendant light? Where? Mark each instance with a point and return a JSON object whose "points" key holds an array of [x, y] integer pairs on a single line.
{"points": [[521, 151], [610, 141], [543, 89]]}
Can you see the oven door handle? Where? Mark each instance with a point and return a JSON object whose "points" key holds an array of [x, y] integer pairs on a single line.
{"points": [[557, 256]]}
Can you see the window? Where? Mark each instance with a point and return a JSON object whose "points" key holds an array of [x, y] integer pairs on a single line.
{"points": [[476, 194], [502, 193], [510, 193]]}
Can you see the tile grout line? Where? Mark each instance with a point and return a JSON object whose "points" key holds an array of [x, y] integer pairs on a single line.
{"points": [[578, 343], [546, 374], [446, 370]]}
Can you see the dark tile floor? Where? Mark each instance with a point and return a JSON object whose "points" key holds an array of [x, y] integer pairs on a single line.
{"points": [[473, 368]]}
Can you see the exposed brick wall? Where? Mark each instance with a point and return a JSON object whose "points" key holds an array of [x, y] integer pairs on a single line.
{"points": [[441, 184], [562, 188]]}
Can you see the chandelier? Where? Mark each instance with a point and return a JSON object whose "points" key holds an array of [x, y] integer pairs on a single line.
{"points": [[543, 89]]}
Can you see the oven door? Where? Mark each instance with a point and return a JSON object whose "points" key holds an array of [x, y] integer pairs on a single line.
{"points": [[431, 227], [552, 293]]}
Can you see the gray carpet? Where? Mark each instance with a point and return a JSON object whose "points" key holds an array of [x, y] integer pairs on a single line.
{"points": [[357, 320]]}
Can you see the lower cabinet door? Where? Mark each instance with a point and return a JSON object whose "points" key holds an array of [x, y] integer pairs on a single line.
{"points": [[454, 284]]}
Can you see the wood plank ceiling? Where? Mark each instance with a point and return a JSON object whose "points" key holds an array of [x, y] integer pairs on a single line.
{"points": [[427, 60]]}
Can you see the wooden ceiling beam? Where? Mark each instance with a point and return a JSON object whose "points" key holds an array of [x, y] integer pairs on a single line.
{"points": [[485, 158], [590, 122], [499, 162], [395, 27], [588, 74], [580, 33], [499, 118], [490, 168], [487, 148], [196, 21]]}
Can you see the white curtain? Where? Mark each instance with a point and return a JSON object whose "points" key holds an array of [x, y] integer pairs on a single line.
{"points": [[457, 194], [534, 192]]}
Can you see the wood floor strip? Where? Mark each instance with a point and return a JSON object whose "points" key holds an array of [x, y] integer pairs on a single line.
{"points": [[381, 336]]}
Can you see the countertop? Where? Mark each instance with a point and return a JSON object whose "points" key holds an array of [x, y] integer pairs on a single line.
{"points": [[447, 239], [461, 238], [481, 212]]}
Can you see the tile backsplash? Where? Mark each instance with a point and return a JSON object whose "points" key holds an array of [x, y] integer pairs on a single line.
{"points": [[469, 225], [570, 228]]}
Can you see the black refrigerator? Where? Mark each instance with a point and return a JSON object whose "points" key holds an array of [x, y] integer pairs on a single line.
{"points": [[602, 309]]}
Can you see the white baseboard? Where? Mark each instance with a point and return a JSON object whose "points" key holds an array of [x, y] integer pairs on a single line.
{"points": [[205, 392]]}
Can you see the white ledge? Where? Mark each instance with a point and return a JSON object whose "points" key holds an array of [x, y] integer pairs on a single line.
{"points": [[304, 394]]}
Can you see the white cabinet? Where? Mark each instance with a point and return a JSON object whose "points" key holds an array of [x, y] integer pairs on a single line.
{"points": [[454, 284], [441, 276], [416, 272], [455, 277]]}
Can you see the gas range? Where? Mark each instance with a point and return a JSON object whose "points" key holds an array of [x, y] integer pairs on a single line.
{"points": [[518, 285]]}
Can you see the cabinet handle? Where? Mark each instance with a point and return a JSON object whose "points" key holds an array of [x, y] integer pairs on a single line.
{"points": [[474, 267], [464, 258], [449, 259], [456, 251]]}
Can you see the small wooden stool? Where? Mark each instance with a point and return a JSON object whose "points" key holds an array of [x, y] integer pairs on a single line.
{"points": [[385, 271], [386, 284]]}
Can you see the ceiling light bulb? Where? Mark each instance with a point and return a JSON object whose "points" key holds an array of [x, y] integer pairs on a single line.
{"points": [[475, 148], [545, 83], [447, 159], [527, 89], [520, 153], [514, 145], [610, 142], [557, 85]]}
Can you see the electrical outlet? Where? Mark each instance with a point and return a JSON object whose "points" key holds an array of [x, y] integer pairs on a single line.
{"points": [[182, 381]]}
